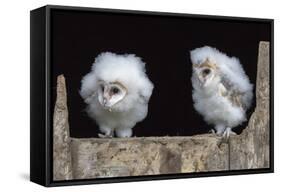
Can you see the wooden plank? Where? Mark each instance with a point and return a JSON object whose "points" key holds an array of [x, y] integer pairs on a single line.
{"points": [[251, 149], [100, 157], [62, 166]]}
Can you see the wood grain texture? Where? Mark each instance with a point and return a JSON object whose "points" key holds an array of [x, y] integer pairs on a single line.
{"points": [[250, 149], [62, 165], [97, 157]]}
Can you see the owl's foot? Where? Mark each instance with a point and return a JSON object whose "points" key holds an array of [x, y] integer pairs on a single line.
{"points": [[212, 131], [220, 129], [124, 132], [107, 132], [227, 132], [104, 136]]}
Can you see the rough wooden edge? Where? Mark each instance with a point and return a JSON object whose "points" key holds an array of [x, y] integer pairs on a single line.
{"points": [[251, 149], [62, 165]]}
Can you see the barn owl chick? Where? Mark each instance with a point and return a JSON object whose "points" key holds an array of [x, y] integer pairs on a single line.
{"points": [[222, 91], [117, 91]]}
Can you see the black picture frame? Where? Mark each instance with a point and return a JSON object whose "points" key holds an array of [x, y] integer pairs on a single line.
{"points": [[40, 109]]}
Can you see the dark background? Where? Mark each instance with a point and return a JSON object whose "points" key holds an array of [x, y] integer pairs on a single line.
{"points": [[163, 42]]}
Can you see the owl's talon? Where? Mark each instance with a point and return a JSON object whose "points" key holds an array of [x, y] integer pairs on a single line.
{"points": [[226, 134], [104, 136], [101, 135], [212, 131]]}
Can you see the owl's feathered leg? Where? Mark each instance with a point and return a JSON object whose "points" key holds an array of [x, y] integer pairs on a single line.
{"points": [[104, 135], [108, 132], [220, 128], [228, 132], [212, 131], [124, 132]]}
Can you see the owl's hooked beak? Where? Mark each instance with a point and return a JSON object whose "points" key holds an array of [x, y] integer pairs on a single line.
{"points": [[105, 104], [205, 83], [202, 81], [105, 100]]}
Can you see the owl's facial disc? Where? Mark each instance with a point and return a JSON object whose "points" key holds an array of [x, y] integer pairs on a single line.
{"points": [[111, 94]]}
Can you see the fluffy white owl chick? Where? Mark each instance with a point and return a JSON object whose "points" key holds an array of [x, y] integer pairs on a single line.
{"points": [[117, 91], [222, 91]]}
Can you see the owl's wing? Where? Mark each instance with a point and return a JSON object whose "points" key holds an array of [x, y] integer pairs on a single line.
{"points": [[233, 95], [143, 99], [145, 91], [88, 87]]}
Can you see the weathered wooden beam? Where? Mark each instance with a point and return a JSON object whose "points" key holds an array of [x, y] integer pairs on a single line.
{"points": [[62, 165], [103, 157], [250, 149], [97, 157]]}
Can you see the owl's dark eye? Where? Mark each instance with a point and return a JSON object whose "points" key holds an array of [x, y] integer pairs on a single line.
{"points": [[102, 88], [206, 71], [115, 90]]}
